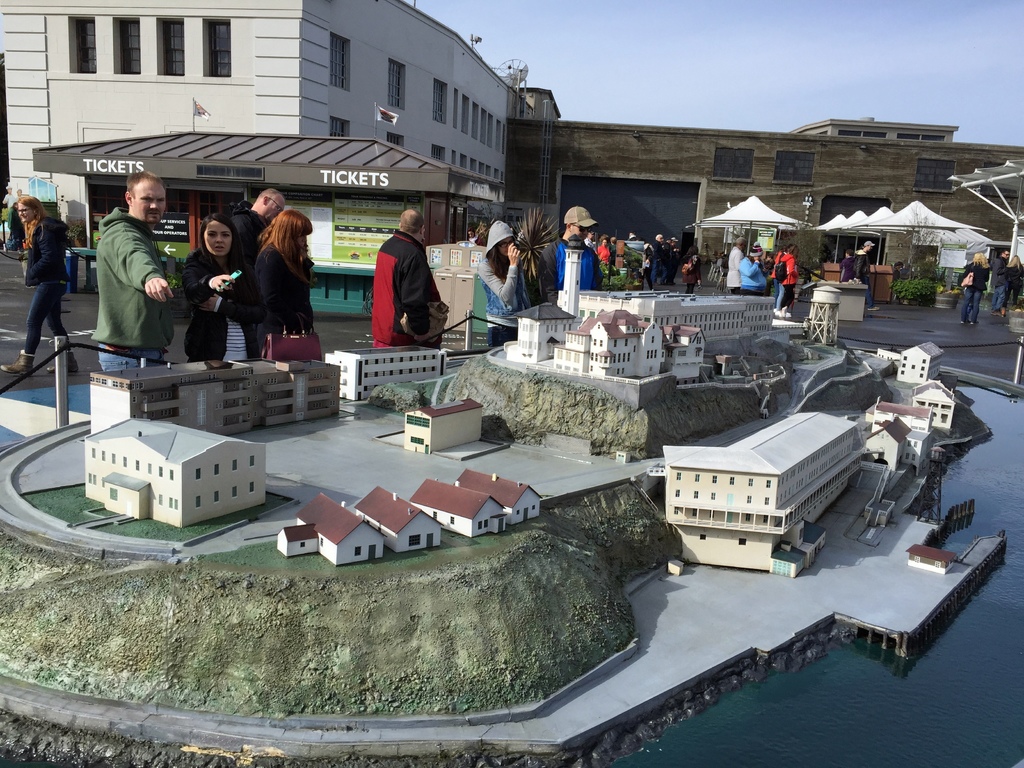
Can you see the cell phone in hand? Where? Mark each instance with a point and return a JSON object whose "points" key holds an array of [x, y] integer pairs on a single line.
{"points": [[235, 275]]}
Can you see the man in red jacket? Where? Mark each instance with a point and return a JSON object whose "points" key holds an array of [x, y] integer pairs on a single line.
{"points": [[403, 286]]}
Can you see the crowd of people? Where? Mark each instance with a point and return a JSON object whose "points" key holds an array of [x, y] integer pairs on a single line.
{"points": [[251, 276]]}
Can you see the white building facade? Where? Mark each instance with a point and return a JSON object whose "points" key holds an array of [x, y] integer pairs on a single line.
{"points": [[82, 73], [736, 506], [364, 369]]}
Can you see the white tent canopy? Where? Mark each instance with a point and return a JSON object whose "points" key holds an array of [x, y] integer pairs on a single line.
{"points": [[836, 224], [1006, 179], [917, 216], [750, 213], [882, 213]]}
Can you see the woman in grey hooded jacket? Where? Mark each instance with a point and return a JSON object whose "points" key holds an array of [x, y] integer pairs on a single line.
{"points": [[504, 285]]}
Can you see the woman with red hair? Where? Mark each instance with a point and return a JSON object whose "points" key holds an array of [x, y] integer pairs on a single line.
{"points": [[45, 239], [284, 269]]}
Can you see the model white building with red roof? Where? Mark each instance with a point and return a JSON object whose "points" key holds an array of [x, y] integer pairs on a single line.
{"points": [[518, 500], [438, 427], [462, 510], [342, 536], [404, 525]]}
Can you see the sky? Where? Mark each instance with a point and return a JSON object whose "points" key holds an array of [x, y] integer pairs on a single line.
{"points": [[763, 66]]}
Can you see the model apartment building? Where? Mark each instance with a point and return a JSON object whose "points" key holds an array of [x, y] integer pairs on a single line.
{"points": [[919, 364], [718, 317], [739, 505], [214, 396], [364, 369], [172, 474], [439, 427], [611, 344]]}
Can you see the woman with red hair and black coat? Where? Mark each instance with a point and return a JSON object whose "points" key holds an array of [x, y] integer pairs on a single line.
{"points": [[284, 271]]}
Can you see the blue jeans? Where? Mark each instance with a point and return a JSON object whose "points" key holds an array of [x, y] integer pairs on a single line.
{"points": [[497, 335], [111, 362], [972, 303], [778, 294], [869, 301], [999, 297], [45, 305]]}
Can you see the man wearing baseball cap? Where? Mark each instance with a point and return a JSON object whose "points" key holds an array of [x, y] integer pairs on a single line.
{"points": [[578, 221]]}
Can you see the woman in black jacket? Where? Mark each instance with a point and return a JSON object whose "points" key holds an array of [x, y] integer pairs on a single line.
{"points": [[45, 239], [284, 270], [225, 309]]}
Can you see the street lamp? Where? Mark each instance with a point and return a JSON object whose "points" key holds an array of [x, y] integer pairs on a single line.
{"points": [[808, 202]]}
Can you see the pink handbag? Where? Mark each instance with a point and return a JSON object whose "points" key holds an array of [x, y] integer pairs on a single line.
{"points": [[292, 346]]}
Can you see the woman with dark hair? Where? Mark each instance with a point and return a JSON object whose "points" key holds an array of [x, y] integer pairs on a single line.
{"points": [[225, 308], [504, 285], [284, 270], [691, 269], [44, 239]]}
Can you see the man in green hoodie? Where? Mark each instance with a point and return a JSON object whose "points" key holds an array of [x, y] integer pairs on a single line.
{"points": [[133, 315]]}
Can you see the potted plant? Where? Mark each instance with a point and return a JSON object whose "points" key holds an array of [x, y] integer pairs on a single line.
{"points": [[919, 291], [178, 304], [77, 235], [1016, 318], [947, 299]]}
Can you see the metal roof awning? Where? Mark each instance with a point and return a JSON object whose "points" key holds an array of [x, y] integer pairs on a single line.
{"points": [[314, 162]]}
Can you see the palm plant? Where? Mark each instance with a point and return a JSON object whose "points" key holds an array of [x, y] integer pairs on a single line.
{"points": [[536, 232]]}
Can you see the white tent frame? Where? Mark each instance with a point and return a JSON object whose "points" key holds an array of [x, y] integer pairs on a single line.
{"points": [[1008, 177]]}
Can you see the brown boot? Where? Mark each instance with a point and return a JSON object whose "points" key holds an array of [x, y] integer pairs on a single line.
{"points": [[22, 365], [72, 363]]}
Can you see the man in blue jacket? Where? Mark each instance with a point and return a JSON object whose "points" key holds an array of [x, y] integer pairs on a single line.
{"points": [[551, 277]]}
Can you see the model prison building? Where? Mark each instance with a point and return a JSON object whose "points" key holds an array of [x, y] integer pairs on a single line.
{"points": [[172, 474], [364, 369], [739, 506], [214, 396]]}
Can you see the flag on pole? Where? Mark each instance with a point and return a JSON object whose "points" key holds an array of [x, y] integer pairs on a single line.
{"points": [[387, 117], [198, 111]]}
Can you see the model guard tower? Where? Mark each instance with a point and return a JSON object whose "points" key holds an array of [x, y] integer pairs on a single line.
{"points": [[823, 321]]}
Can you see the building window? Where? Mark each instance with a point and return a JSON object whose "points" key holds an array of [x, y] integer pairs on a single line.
{"points": [[416, 440], [750, 499], [252, 460], [703, 537], [696, 477], [216, 496], [252, 487], [358, 551], [234, 491], [396, 84], [414, 540], [750, 482], [794, 166], [437, 152], [465, 115], [767, 483], [339, 62], [934, 175], [475, 132], [216, 469], [234, 464], [113, 494], [732, 480], [395, 138], [696, 494], [742, 542], [130, 42], [714, 479], [417, 421], [85, 46], [199, 501], [490, 130], [339, 127], [737, 164], [714, 496], [218, 48], [172, 38], [440, 99]]}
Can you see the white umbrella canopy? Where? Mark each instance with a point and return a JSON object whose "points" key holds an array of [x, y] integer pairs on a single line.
{"points": [[918, 216], [854, 220], [750, 213]]}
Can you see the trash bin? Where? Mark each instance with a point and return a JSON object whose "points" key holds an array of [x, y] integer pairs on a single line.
{"points": [[71, 264], [881, 283]]}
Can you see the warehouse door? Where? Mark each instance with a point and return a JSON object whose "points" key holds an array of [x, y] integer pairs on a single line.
{"points": [[646, 207]]}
